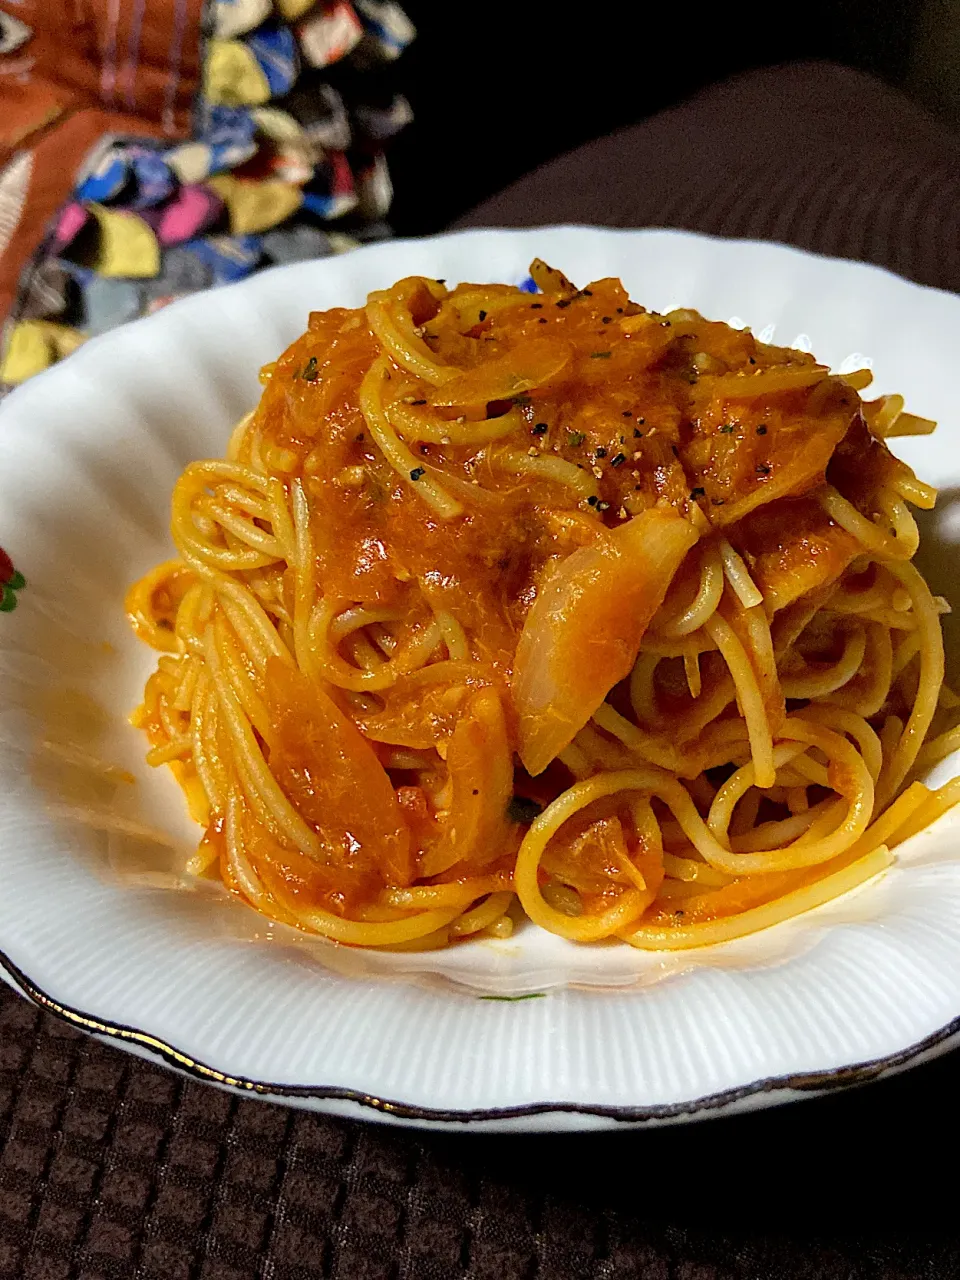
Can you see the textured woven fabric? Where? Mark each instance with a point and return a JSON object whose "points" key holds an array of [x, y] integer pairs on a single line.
{"points": [[813, 155], [112, 1169]]}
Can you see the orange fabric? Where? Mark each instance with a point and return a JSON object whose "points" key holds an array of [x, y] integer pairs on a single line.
{"points": [[139, 56], [56, 159], [89, 68]]}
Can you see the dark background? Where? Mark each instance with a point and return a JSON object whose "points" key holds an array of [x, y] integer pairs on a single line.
{"points": [[498, 90]]}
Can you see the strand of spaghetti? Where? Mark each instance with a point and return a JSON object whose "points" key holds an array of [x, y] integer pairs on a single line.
{"points": [[905, 652], [645, 745], [853, 783], [183, 694], [911, 424], [736, 787], [175, 749], [854, 726], [202, 765], [900, 762], [482, 916], [245, 530], [817, 684], [692, 872], [232, 666], [582, 482], [407, 351], [363, 934], [576, 761], [415, 426], [916, 491], [748, 695], [643, 697], [332, 667], [903, 526], [600, 752], [934, 807], [704, 603], [882, 413], [454, 636], [247, 880], [248, 751], [885, 829], [691, 669], [860, 600], [281, 519], [354, 619], [938, 749], [395, 451], [186, 524], [192, 616], [778, 833], [812, 771], [305, 570], [457, 893], [867, 693], [251, 642], [794, 903], [235, 496], [237, 437], [363, 653], [738, 576], [797, 800], [869, 536], [240, 596]]}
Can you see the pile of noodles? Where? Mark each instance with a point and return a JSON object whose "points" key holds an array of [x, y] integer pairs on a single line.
{"points": [[505, 604]]}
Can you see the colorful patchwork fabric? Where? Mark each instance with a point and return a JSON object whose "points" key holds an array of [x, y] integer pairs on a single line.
{"points": [[141, 160]]}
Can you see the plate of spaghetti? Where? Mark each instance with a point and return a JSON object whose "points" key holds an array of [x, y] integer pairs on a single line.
{"points": [[496, 679]]}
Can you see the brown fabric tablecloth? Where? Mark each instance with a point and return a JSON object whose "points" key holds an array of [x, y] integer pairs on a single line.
{"points": [[112, 1169]]}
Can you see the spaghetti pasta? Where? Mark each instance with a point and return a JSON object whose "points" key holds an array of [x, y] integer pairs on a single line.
{"points": [[505, 604]]}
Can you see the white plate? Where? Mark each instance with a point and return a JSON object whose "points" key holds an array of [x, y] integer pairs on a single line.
{"points": [[89, 453]]}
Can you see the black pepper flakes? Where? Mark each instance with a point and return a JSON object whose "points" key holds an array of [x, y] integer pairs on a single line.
{"points": [[626, 414], [418, 402], [601, 452], [424, 448], [592, 500], [763, 468], [637, 433], [698, 492], [619, 460], [483, 315], [605, 319], [540, 429], [761, 430], [542, 320], [359, 438], [417, 472], [536, 306]]}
